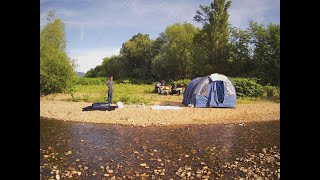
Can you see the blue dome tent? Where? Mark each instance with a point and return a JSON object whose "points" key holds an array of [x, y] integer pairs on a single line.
{"points": [[215, 90]]}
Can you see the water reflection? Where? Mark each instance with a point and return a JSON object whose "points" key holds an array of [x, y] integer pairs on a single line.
{"points": [[193, 151]]}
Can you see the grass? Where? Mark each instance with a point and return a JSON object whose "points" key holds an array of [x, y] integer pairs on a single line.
{"points": [[127, 93], [133, 94], [251, 100]]}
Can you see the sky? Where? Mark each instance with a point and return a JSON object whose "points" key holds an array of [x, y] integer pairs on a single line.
{"points": [[97, 28]]}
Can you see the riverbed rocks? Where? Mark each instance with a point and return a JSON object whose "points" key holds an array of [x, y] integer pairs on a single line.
{"points": [[152, 157]]}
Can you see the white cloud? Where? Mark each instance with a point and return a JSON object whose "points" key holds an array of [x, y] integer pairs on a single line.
{"points": [[90, 58], [243, 11]]}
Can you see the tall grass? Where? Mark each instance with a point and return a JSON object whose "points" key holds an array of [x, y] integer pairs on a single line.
{"points": [[95, 90]]}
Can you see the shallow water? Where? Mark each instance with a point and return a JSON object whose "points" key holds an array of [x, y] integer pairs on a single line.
{"points": [[155, 152]]}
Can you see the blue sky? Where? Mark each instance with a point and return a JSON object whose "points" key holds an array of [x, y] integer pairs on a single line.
{"points": [[97, 28]]}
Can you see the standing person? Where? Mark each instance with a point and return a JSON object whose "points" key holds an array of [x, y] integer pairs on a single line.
{"points": [[110, 89]]}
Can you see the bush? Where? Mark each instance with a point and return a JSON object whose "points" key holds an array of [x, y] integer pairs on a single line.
{"points": [[185, 81], [272, 92], [91, 81], [134, 81], [125, 99], [247, 87], [127, 81]]}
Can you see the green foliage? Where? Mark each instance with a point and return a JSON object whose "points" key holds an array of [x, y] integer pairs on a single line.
{"points": [[247, 87], [93, 72], [91, 81], [211, 44], [180, 81], [272, 92], [56, 68], [135, 81], [266, 58], [240, 59], [175, 58], [248, 90], [136, 54], [126, 81]]}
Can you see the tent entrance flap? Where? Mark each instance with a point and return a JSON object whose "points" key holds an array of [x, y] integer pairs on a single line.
{"points": [[220, 91]]}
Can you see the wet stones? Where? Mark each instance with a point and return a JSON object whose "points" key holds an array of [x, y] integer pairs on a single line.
{"points": [[68, 153], [256, 165], [143, 164]]}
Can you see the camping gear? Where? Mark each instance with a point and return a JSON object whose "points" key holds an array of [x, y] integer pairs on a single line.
{"points": [[164, 90], [100, 105], [157, 107], [120, 105], [215, 90], [175, 89], [161, 88]]}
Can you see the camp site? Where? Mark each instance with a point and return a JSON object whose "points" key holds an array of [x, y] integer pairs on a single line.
{"points": [[196, 99]]}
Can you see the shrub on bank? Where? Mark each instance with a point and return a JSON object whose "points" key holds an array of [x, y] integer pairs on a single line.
{"points": [[91, 81], [247, 87], [94, 89]]}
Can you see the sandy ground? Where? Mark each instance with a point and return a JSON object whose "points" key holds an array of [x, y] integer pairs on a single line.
{"points": [[130, 115]]}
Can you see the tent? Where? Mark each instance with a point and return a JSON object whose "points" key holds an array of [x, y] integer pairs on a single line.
{"points": [[215, 90]]}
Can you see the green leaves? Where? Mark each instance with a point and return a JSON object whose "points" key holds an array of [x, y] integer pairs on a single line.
{"points": [[212, 41], [247, 87], [56, 68], [136, 54], [175, 58]]}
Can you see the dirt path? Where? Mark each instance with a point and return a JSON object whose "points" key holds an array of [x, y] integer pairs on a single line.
{"points": [[130, 115]]}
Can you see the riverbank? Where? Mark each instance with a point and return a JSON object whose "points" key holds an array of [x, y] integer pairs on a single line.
{"points": [[130, 115]]}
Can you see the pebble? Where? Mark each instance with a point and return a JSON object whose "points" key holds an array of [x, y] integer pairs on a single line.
{"points": [[71, 169], [143, 164], [110, 171]]}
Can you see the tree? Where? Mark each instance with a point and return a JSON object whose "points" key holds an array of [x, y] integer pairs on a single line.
{"points": [[240, 53], [56, 68], [214, 36], [136, 55], [266, 58], [175, 57], [93, 72], [111, 66]]}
